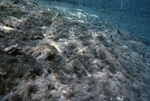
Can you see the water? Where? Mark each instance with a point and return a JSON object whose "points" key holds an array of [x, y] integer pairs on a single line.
{"points": [[132, 15]]}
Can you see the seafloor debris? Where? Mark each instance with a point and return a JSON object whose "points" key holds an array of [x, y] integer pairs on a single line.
{"points": [[11, 49], [6, 29], [73, 57], [2, 72]]}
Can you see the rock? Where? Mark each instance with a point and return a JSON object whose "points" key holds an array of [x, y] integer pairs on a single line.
{"points": [[101, 37], [101, 54], [41, 58], [2, 72], [55, 93], [36, 37], [1, 35], [50, 54], [19, 1], [78, 68]]}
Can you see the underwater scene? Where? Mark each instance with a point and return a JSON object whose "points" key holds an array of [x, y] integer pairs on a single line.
{"points": [[74, 50]]}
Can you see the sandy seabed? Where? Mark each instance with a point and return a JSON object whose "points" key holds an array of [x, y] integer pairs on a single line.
{"points": [[53, 53]]}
